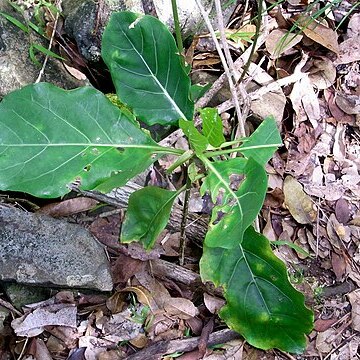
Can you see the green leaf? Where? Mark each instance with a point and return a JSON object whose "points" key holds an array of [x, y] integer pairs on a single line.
{"points": [[263, 142], [146, 69], [197, 91], [50, 138], [237, 208], [261, 303], [212, 126], [197, 141], [147, 215], [15, 22]]}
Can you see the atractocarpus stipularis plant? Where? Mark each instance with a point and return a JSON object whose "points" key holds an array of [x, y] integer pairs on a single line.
{"points": [[50, 138]]}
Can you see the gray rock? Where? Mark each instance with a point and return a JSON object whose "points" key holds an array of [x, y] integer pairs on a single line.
{"points": [[16, 67], [37, 249], [21, 295], [87, 34]]}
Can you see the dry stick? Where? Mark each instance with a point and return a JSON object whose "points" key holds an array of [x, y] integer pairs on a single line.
{"points": [[224, 64], [160, 348], [8, 306], [41, 73], [234, 77], [183, 222]]}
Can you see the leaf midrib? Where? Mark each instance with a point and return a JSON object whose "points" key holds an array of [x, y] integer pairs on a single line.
{"points": [[137, 146], [165, 92]]}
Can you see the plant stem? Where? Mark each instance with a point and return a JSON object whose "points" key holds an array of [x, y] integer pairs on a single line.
{"points": [[168, 150], [210, 154], [183, 222], [177, 30]]}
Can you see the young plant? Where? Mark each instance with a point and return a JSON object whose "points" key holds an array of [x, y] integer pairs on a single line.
{"points": [[51, 138]]}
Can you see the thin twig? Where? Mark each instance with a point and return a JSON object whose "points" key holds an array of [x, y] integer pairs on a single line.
{"points": [[8, 306], [232, 71], [184, 221], [224, 64], [41, 73]]}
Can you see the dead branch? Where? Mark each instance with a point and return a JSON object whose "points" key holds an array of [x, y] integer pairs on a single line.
{"points": [[157, 350]]}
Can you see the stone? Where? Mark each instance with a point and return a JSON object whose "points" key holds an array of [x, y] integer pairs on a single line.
{"points": [[21, 295], [39, 250], [87, 34], [16, 67]]}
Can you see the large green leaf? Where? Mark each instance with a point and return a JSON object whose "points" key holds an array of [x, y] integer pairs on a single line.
{"points": [[147, 215], [50, 138], [145, 67], [212, 126], [236, 206], [261, 303], [263, 142]]}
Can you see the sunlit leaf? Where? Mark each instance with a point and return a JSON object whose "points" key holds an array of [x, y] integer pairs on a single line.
{"points": [[261, 303], [146, 70], [147, 215], [212, 126], [263, 142], [238, 199], [50, 138], [197, 141]]}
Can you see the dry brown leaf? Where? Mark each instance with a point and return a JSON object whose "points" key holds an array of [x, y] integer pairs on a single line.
{"points": [[354, 298], [143, 295], [140, 341], [111, 355], [39, 350], [181, 308], [300, 205], [279, 41], [116, 302], [318, 32], [75, 72], [336, 112], [350, 48], [350, 104], [304, 100], [322, 325], [270, 103], [68, 207], [213, 303], [120, 327], [322, 74], [33, 324], [349, 51], [327, 340], [94, 346], [205, 59], [338, 263], [125, 267]]}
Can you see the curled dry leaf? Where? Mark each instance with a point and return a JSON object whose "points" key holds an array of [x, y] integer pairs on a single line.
{"points": [[350, 48], [143, 295], [279, 41], [68, 207], [325, 341], [322, 74], [270, 103], [304, 100], [180, 307], [33, 324], [300, 205], [213, 303], [354, 298], [350, 104], [39, 350], [317, 32]]}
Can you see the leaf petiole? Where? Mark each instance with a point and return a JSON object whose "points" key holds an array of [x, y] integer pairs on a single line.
{"points": [[210, 154]]}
